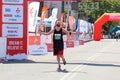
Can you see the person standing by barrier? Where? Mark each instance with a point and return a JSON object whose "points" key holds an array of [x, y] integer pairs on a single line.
{"points": [[58, 43]]}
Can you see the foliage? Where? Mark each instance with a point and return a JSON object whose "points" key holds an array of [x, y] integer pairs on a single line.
{"points": [[108, 6]]}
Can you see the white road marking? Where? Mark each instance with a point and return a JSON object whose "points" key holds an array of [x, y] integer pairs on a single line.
{"points": [[69, 76], [77, 68]]}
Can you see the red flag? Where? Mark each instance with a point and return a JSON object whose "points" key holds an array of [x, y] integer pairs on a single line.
{"points": [[61, 19], [71, 22], [44, 12]]}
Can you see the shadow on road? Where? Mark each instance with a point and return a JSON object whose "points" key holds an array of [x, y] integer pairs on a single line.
{"points": [[26, 61]]}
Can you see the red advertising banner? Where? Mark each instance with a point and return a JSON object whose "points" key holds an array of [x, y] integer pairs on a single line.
{"points": [[81, 42], [69, 42], [34, 40], [50, 47], [14, 27]]}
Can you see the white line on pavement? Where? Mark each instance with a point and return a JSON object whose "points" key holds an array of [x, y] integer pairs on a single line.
{"points": [[69, 76]]}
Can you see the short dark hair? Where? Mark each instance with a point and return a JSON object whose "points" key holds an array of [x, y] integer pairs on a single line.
{"points": [[57, 25], [57, 21]]}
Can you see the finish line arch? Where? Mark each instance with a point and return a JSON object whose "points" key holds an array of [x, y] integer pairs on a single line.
{"points": [[101, 21]]}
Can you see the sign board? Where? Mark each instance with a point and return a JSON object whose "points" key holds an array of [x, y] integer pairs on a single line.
{"points": [[12, 30], [38, 49], [13, 1], [13, 26], [12, 13], [89, 5], [50, 47], [70, 44]]}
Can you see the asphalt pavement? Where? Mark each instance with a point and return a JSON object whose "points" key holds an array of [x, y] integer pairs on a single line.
{"points": [[95, 60]]}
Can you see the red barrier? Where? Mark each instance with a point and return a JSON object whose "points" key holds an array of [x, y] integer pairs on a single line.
{"points": [[81, 42], [50, 47]]}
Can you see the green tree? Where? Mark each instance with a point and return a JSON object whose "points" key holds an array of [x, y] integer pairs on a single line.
{"points": [[107, 6]]}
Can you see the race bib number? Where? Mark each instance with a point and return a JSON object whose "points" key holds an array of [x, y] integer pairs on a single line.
{"points": [[57, 36]]}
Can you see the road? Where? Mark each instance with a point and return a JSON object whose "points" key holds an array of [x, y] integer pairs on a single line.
{"points": [[95, 60]]}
